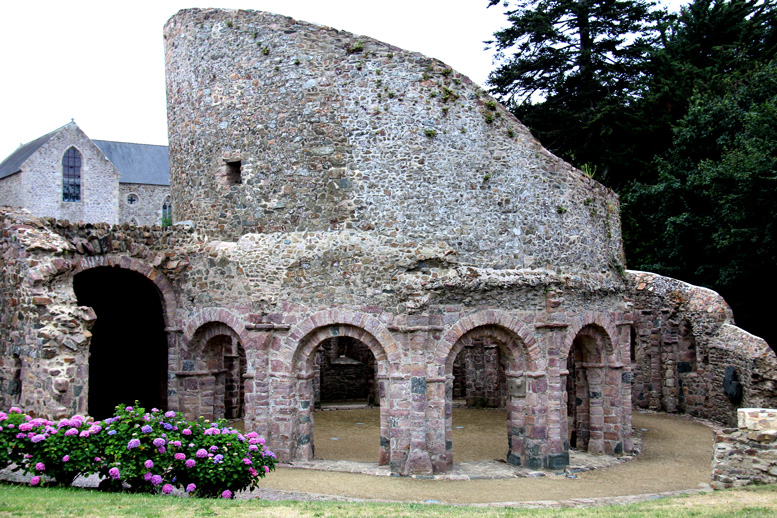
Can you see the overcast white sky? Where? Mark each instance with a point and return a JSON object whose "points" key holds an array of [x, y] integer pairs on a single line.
{"points": [[102, 62]]}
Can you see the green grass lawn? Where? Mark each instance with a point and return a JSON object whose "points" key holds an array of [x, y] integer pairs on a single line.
{"points": [[24, 501]]}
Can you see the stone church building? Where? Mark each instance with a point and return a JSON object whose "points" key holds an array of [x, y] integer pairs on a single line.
{"points": [[66, 175], [355, 221]]}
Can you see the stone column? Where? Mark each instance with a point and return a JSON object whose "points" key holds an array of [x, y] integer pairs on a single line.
{"points": [[436, 389], [595, 375], [174, 388]]}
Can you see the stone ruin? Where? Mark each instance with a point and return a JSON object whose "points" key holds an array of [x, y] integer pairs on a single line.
{"points": [[355, 221]]}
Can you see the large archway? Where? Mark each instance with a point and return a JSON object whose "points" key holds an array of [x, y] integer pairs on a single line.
{"points": [[305, 364], [128, 349], [494, 365]]}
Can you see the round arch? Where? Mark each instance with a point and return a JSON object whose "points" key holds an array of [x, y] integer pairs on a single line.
{"points": [[298, 353]]}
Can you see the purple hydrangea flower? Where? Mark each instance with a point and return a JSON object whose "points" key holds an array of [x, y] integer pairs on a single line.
{"points": [[167, 426], [40, 466], [190, 463], [112, 432], [226, 494], [253, 447], [38, 438], [149, 464], [129, 409], [146, 429], [156, 479], [158, 442], [147, 476], [186, 431], [84, 433], [190, 488], [161, 449], [179, 456], [134, 443], [218, 458], [114, 473], [167, 489], [71, 431], [247, 462], [213, 448], [201, 453], [177, 444], [34, 481], [169, 414]]}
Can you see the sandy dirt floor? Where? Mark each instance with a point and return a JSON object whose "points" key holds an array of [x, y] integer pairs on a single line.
{"points": [[676, 456]]}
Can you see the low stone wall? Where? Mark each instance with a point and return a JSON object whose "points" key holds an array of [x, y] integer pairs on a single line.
{"points": [[748, 454]]}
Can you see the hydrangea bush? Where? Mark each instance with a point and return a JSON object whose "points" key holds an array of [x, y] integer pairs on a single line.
{"points": [[137, 451]]}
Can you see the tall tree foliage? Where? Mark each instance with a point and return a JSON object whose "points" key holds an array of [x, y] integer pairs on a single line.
{"points": [[571, 70], [711, 218]]}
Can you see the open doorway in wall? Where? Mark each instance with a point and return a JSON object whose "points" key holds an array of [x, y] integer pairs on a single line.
{"points": [[479, 400], [346, 393], [213, 373], [128, 351]]}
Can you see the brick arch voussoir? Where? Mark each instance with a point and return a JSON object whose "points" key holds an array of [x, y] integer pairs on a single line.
{"points": [[208, 317], [130, 263], [602, 321], [307, 335], [447, 346]]}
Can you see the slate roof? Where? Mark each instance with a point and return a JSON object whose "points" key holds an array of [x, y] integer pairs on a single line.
{"points": [[137, 163], [13, 163]]}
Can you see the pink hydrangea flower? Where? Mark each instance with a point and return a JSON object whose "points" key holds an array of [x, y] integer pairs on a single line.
{"points": [[114, 473], [15, 409], [71, 431], [179, 456], [253, 472], [129, 409], [167, 489], [186, 431], [190, 488], [40, 467], [156, 479], [147, 476], [201, 453], [34, 481], [149, 464], [66, 458], [169, 414], [190, 463], [267, 469], [247, 462], [226, 494]]}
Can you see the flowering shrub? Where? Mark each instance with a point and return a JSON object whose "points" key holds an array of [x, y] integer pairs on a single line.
{"points": [[10, 450], [137, 451]]}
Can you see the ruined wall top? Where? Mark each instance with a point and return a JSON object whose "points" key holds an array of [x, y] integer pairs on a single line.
{"points": [[280, 126]]}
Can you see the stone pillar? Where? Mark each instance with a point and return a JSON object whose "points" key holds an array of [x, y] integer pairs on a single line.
{"points": [[282, 415], [384, 388], [558, 424], [595, 374], [516, 417], [436, 403], [174, 382], [536, 421]]}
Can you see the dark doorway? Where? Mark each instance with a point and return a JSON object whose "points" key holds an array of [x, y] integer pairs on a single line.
{"points": [[128, 351]]}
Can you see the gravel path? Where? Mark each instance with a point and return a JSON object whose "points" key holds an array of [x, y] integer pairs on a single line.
{"points": [[676, 457]]}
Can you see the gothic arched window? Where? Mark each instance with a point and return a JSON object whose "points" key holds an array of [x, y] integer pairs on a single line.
{"points": [[71, 175]]}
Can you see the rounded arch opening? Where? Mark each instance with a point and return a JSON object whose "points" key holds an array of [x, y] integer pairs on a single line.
{"points": [[213, 370], [339, 366], [128, 350], [486, 370], [591, 391]]}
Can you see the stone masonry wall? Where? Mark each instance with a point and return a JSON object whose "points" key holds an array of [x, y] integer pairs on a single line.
{"points": [[11, 190], [42, 181], [147, 210], [688, 352], [278, 125], [747, 454]]}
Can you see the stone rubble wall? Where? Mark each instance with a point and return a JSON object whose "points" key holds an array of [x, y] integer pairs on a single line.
{"points": [[684, 342], [747, 454], [326, 131]]}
